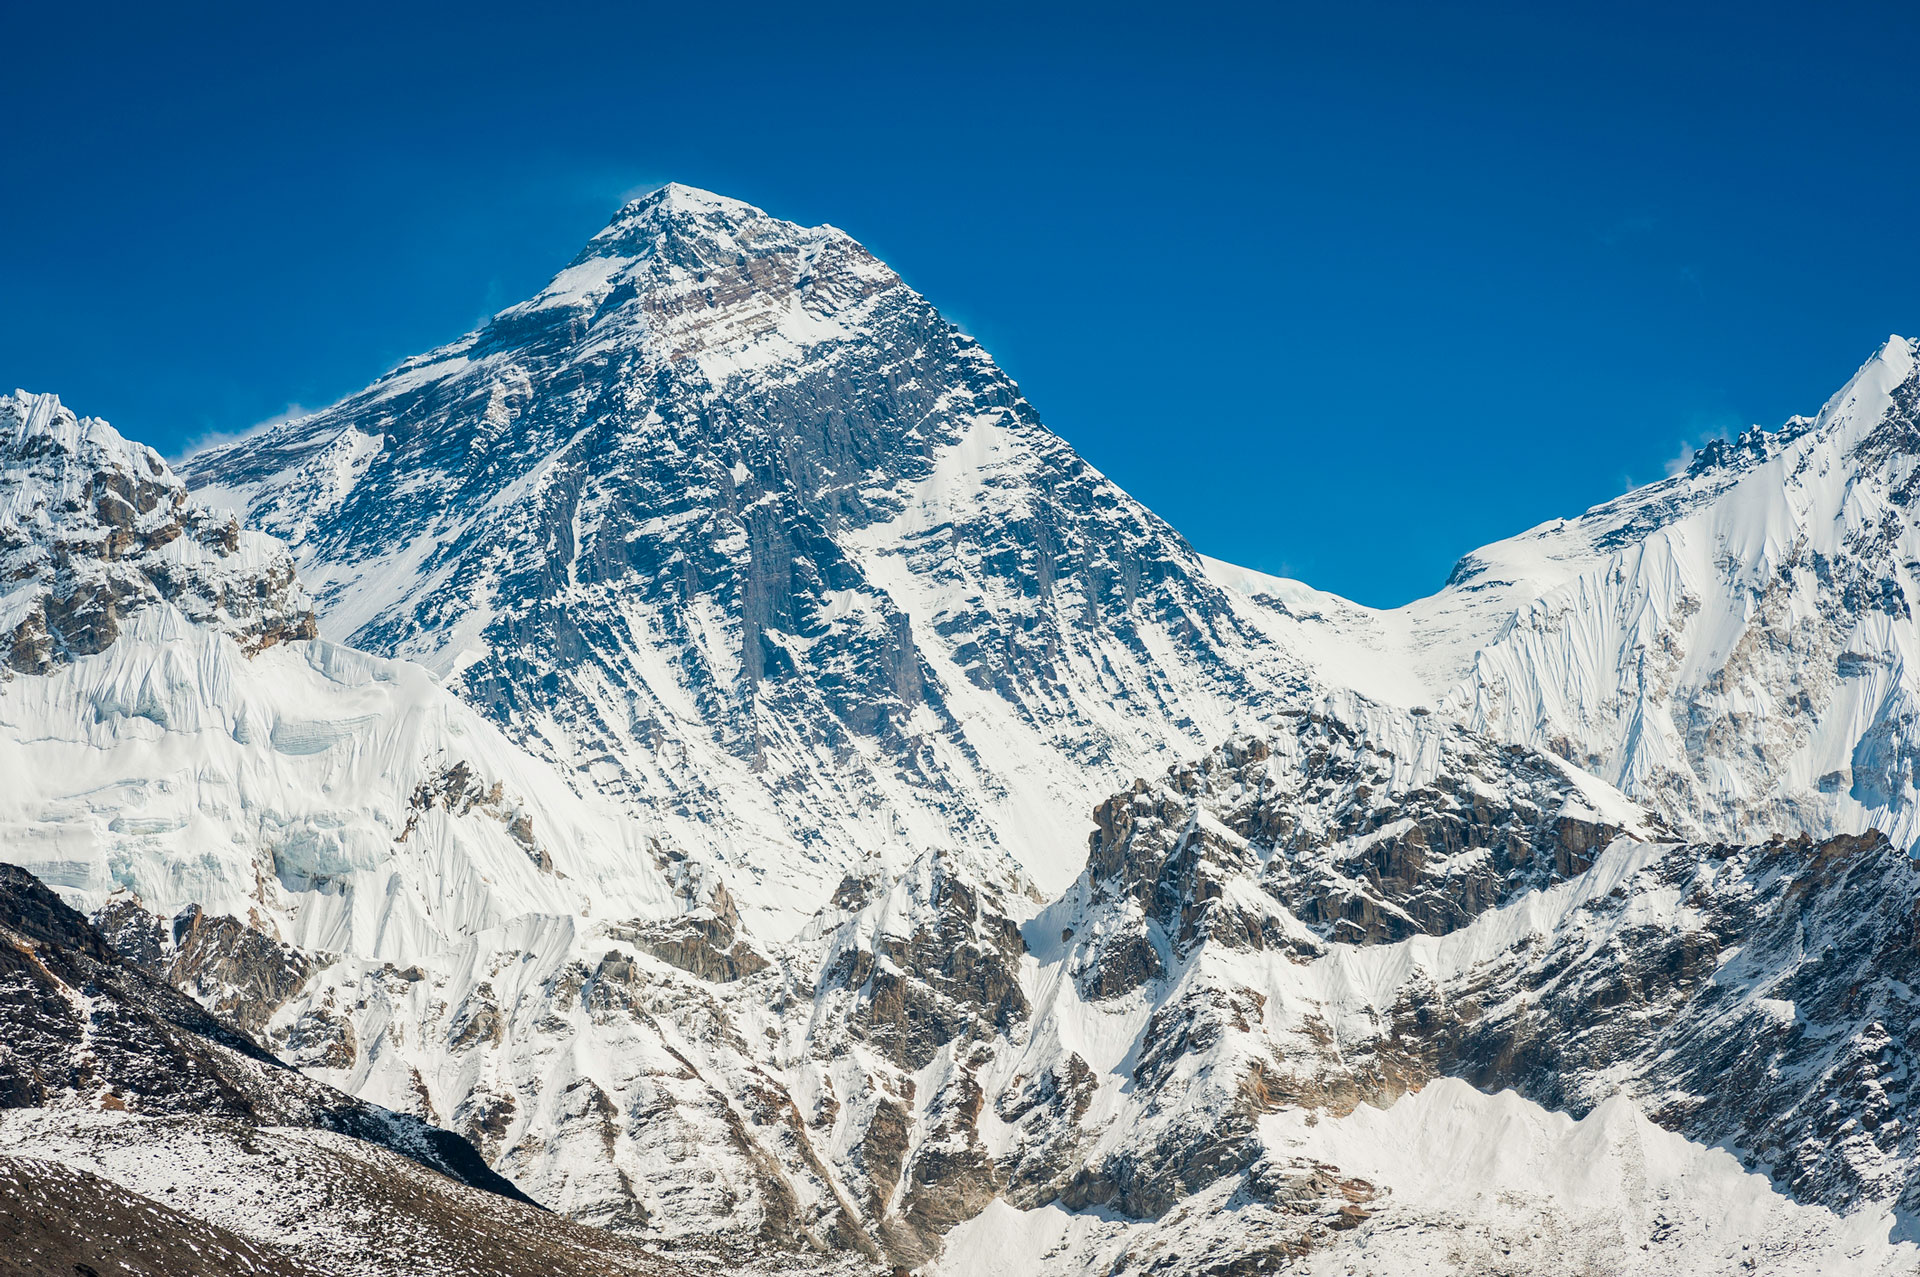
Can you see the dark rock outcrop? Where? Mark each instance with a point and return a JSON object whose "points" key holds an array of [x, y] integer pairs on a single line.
{"points": [[80, 1027], [1366, 827]]}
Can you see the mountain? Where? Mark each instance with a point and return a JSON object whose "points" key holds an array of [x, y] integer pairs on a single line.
{"points": [[729, 522], [1732, 646], [140, 1133], [778, 802], [190, 737]]}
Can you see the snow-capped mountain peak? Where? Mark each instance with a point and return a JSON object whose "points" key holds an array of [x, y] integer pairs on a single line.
{"points": [[680, 197], [40, 423], [832, 814], [694, 275], [767, 526], [667, 214]]}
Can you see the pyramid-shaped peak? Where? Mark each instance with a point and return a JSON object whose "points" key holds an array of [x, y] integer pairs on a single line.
{"points": [[672, 219], [677, 197]]}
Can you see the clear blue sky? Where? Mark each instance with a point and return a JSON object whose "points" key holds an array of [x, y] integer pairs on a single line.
{"points": [[1341, 290]]}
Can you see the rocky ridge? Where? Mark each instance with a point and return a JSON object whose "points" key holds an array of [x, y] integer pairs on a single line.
{"points": [[94, 529]]}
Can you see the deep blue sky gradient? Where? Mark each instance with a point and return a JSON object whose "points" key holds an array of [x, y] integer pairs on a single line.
{"points": [[1342, 291]]}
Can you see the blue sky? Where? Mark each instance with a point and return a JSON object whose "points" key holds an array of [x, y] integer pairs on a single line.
{"points": [[1342, 291]]}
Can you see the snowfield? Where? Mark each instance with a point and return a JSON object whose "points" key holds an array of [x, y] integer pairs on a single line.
{"points": [[701, 739]]}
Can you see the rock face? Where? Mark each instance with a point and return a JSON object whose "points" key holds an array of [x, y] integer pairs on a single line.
{"points": [[730, 522], [233, 969], [1746, 998], [94, 529], [1773, 1012], [1368, 825], [1215, 897]]}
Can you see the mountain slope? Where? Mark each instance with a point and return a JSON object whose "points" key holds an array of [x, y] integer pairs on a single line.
{"points": [[86, 1030], [306, 835], [1453, 1182], [1214, 1115], [140, 1133], [730, 522], [1732, 645]]}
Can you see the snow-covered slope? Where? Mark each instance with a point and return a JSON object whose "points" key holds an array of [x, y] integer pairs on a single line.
{"points": [[351, 794], [729, 522], [1732, 645], [1457, 1183], [179, 753], [826, 813]]}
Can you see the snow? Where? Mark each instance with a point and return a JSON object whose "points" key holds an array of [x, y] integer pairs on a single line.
{"points": [[1684, 641], [298, 788], [1544, 1193], [1491, 1184], [192, 774], [1344, 643]]}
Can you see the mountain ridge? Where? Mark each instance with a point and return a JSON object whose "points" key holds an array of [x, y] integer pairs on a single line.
{"points": [[1731, 643], [840, 821]]}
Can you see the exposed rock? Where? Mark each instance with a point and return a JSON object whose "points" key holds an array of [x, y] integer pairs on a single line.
{"points": [[1775, 1012], [940, 964], [456, 789], [703, 943], [94, 528], [80, 1028], [236, 971], [1366, 826]]}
